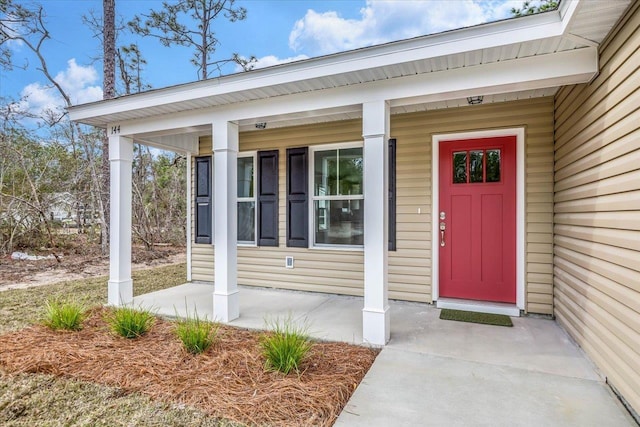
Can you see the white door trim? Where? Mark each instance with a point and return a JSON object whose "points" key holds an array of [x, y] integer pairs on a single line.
{"points": [[520, 207]]}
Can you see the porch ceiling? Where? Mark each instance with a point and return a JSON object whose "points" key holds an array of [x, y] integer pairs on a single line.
{"points": [[355, 111], [572, 27]]}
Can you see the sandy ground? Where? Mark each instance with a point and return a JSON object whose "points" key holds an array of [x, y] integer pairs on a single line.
{"points": [[26, 274]]}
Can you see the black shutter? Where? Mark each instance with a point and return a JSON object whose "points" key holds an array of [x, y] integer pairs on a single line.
{"points": [[392, 194], [268, 198], [203, 199], [297, 198]]}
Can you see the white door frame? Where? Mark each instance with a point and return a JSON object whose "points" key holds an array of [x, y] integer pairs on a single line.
{"points": [[520, 207]]}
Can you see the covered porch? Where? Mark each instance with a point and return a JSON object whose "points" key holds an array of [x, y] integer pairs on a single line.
{"points": [[432, 371], [450, 70], [328, 316]]}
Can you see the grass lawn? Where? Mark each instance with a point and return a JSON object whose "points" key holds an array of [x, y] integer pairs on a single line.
{"points": [[92, 377], [37, 399], [23, 307]]}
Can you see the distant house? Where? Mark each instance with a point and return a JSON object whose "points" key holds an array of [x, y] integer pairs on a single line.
{"points": [[492, 168]]}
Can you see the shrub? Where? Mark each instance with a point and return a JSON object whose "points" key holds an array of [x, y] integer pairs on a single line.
{"points": [[64, 314], [285, 347], [196, 334], [130, 322]]}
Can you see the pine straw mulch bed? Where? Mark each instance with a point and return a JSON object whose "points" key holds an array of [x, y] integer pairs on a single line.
{"points": [[227, 381]]}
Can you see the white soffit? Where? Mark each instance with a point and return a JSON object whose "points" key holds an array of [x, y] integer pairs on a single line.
{"points": [[595, 18], [499, 42], [355, 111]]}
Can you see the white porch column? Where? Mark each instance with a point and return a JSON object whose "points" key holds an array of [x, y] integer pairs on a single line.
{"points": [[375, 315], [120, 284], [226, 302]]}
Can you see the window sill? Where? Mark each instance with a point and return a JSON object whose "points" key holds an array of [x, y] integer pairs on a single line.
{"points": [[247, 245], [338, 248], [240, 245]]}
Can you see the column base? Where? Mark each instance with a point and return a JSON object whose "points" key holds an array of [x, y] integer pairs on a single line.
{"points": [[226, 307], [120, 292], [376, 326]]}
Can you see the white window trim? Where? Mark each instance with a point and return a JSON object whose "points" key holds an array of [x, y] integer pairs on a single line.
{"points": [[254, 199], [312, 197]]}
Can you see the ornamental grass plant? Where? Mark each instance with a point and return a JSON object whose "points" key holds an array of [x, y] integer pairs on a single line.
{"points": [[286, 346], [196, 334], [61, 314], [130, 322]]}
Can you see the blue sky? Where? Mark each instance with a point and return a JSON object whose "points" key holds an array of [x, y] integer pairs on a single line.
{"points": [[274, 32]]}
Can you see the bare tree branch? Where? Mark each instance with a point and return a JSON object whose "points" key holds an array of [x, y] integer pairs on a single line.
{"points": [[169, 27]]}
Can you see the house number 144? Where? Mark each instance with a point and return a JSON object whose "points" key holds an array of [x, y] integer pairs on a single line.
{"points": [[115, 130]]}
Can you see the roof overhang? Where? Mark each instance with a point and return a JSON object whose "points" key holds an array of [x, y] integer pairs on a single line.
{"points": [[527, 56]]}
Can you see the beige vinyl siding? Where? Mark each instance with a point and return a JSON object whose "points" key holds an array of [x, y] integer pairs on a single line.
{"points": [[414, 133], [319, 270], [341, 271], [201, 254], [410, 264], [597, 210], [201, 262]]}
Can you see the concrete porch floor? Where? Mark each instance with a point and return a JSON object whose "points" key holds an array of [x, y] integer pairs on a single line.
{"points": [[435, 372]]}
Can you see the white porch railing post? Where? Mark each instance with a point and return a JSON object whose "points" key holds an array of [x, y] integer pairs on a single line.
{"points": [[375, 314], [226, 302], [120, 289]]}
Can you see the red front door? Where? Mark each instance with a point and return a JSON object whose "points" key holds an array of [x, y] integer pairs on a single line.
{"points": [[477, 219]]}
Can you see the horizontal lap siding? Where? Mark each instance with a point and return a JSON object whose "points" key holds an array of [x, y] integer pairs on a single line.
{"points": [[201, 263], [316, 270], [201, 254], [340, 271], [597, 211], [409, 266], [414, 134], [319, 270]]}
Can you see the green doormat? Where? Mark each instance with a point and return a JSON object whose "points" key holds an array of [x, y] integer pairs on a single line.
{"points": [[473, 317]]}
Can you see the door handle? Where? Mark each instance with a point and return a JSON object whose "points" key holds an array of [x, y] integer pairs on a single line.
{"points": [[443, 227]]}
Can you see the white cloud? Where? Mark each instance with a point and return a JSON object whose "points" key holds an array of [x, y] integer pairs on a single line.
{"points": [[270, 60], [37, 99], [77, 81], [382, 21]]}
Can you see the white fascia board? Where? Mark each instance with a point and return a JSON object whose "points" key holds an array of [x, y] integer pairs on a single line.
{"points": [[568, 10], [511, 31], [569, 67]]}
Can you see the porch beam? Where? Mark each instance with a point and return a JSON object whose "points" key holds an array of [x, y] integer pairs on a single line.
{"points": [[488, 36], [536, 72], [120, 287], [375, 314], [226, 302]]}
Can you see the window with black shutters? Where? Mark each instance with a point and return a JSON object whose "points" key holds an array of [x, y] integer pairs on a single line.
{"points": [[297, 173], [258, 198]]}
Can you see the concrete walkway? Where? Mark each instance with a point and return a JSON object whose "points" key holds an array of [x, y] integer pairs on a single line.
{"points": [[435, 372]]}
